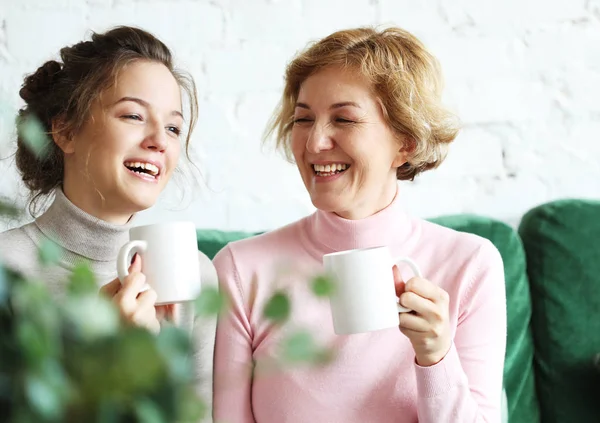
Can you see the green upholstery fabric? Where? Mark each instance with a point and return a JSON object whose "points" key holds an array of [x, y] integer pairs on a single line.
{"points": [[519, 380], [210, 241], [562, 240]]}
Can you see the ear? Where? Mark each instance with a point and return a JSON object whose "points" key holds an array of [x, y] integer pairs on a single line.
{"points": [[62, 137], [404, 152]]}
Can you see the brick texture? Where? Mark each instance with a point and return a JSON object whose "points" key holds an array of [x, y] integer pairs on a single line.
{"points": [[524, 75]]}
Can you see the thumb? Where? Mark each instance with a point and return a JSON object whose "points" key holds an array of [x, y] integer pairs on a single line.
{"points": [[398, 282]]}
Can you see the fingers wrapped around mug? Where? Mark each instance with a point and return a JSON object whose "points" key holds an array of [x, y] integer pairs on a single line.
{"points": [[135, 304], [427, 325]]}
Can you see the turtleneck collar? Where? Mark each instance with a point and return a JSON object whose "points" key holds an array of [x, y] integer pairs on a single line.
{"points": [[80, 233], [333, 233]]}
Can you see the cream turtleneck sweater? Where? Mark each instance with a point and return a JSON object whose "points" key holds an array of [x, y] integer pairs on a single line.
{"points": [[85, 237]]}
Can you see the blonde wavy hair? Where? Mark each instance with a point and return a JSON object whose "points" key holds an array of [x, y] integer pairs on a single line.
{"points": [[405, 77]]}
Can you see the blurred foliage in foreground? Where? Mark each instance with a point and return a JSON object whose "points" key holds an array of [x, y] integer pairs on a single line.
{"points": [[75, 360]]}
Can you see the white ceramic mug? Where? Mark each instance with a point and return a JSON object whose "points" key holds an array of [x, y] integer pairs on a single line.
{"points": [[170, 261], [364, 298]]}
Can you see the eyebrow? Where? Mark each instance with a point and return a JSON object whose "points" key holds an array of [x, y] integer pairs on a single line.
{"points": [[145, 104], [333, 106]]}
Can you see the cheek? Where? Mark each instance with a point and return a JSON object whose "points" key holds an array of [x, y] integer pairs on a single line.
{"points": [[297, 145], [97, 155], [175, 152]]}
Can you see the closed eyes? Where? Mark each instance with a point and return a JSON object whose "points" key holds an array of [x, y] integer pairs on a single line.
{"points": [[337, 120]]}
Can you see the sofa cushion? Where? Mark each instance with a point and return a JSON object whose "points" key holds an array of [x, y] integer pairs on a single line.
{"points": [[519, 381], [210, 241], [562, 242]]}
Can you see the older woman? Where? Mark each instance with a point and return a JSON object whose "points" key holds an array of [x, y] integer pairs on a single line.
{"points": [[360, 110]]}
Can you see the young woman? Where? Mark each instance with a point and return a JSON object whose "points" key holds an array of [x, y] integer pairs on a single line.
{"points": [[112, 108]]}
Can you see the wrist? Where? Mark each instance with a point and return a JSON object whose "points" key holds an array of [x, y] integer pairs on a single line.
{"points": [[431, 359]]}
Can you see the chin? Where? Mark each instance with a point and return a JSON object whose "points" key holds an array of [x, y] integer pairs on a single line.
{"points": [[141, 207], [326, 203], [140, 203]]}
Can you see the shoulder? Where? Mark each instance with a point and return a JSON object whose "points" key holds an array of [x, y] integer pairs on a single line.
{"points": [[208, 273], [242, 263], [457, 243], [16, 235], [468, 262], [17, 248], [260, 248]]}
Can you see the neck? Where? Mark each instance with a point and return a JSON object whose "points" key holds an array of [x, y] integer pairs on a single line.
{"points": [[372, 205], [96, 205], [81, 234], [329, 232]]}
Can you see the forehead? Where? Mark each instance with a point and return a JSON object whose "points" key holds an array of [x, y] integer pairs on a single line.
{"points": [[336, 82], [150, 81]]}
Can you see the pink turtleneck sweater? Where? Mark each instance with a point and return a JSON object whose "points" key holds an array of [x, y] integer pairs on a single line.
{"points": [[374, 376]]}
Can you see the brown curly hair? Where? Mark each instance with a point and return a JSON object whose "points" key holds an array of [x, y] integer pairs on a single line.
{"points": [[59, 95], [404, 76]]}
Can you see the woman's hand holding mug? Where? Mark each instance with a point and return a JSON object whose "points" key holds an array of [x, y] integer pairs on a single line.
{"points": [[136, 304], [427, 324]]}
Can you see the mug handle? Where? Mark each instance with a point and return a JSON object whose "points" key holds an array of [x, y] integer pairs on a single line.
{"points": [[417, 272], [126, 253]]}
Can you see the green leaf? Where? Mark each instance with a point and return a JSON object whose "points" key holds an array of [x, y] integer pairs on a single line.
{"points": [[49, 252], [324, 356], [107, 412], [148, 412], [44, 397], [192, 409], [278, 308], [3, 284], [322, 286], [82, 280], [210, 302], [32, 132], [30, 340], [124, 367], [37, 334], [7, 209], [174, 345], [92, 316], [299, 347], [139, 360]]}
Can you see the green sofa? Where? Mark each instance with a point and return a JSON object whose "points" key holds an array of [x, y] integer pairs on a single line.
{"points": [[552, 269]]}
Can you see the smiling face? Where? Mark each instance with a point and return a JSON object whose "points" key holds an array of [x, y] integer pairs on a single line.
{"points": [[125, 153], [346, 153]]}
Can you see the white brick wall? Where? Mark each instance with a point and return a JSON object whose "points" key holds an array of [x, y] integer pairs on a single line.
{"points": [[524, 75]]}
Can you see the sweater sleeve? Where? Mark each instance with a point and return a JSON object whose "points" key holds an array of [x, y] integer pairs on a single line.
{"points": [[203, 337], [466, 386], [233, 350]]}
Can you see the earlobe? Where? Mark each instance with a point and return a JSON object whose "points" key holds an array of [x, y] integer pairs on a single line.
{"points": [[62, 138], [402, 155], [400, 159]]}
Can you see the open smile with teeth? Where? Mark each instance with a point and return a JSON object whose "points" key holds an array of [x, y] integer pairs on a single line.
{"points": [[143, 168], [330, 169]]}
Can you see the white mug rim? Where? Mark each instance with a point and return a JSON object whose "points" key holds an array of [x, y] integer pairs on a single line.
{"points": [[164, 224]]}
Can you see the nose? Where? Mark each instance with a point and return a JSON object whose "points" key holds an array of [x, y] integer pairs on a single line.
{"points": [[319, 139], [156, 138]]}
